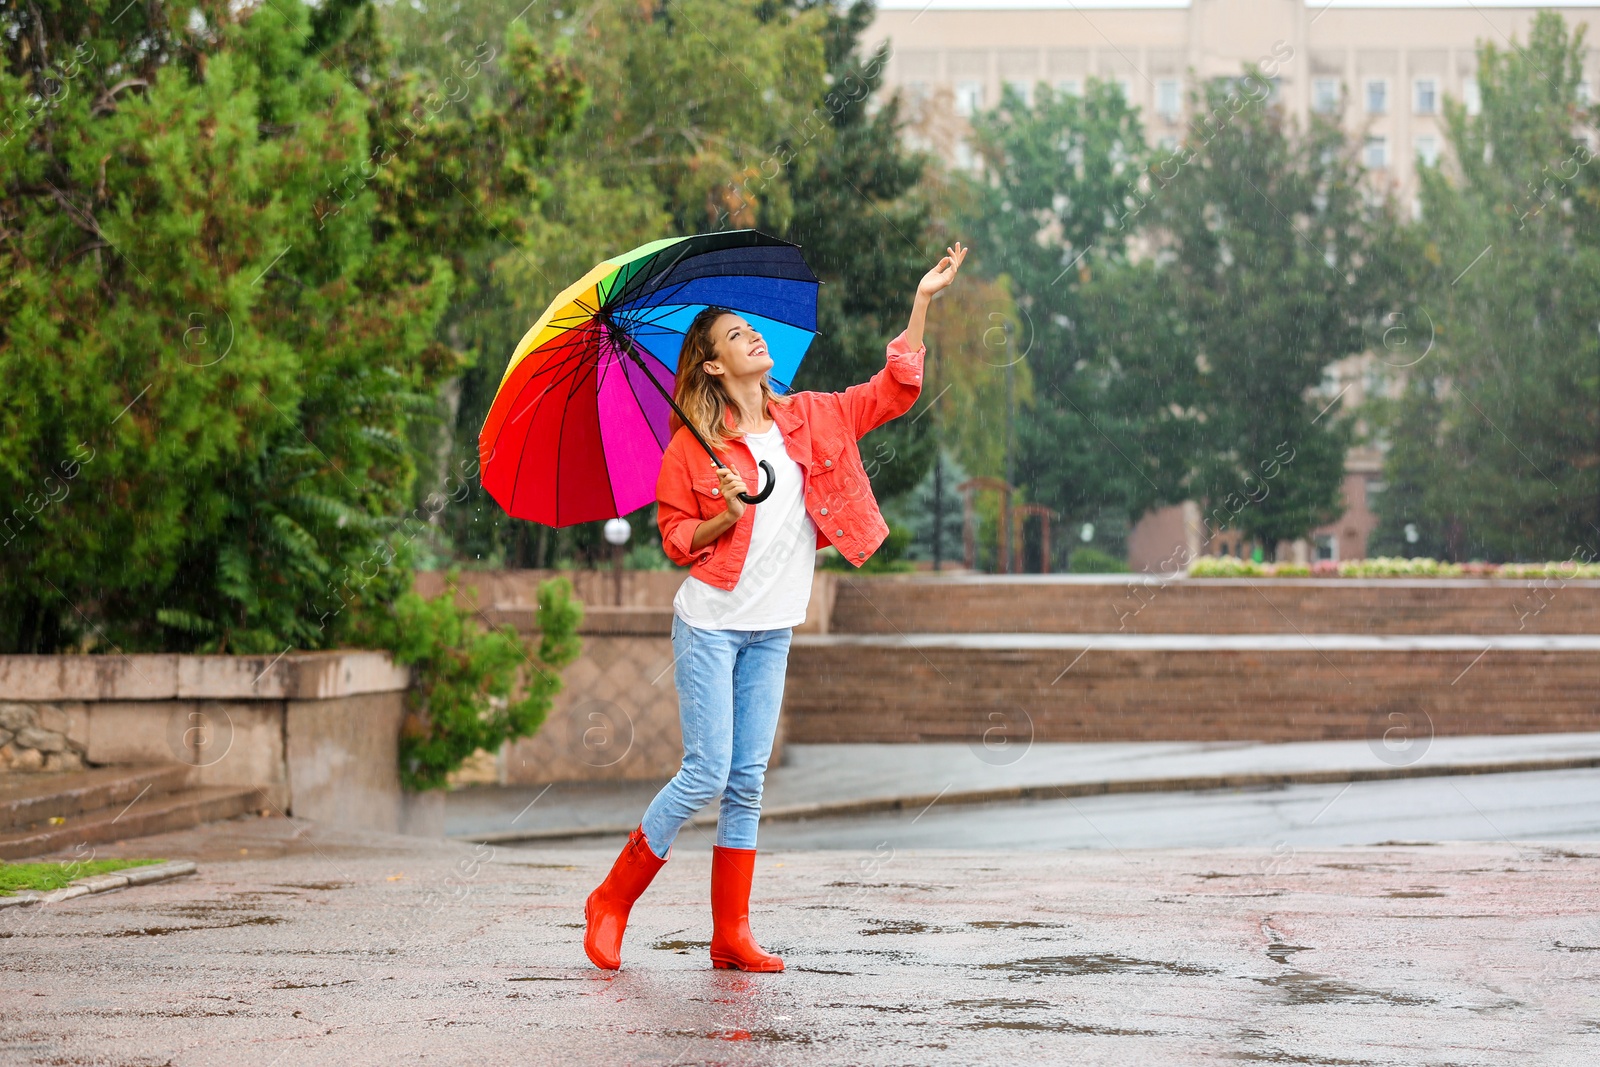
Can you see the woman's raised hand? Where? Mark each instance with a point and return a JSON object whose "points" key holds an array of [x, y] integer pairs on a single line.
{"points": [[943, 273]]}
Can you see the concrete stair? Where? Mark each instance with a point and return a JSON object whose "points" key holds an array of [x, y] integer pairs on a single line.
{"points": [[108, 804]]}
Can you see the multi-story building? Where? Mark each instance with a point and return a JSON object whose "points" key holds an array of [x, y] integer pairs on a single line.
{"points": [[1384, 68]]}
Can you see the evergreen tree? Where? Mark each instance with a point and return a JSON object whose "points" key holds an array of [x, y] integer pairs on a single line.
{"points": [[230, 236]]}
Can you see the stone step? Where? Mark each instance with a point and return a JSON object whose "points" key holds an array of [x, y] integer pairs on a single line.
{"points": [[151, 814], [26, 799], [1142, 604]]}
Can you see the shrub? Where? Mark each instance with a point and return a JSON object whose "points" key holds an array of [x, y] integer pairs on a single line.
{"points": [[1094, 561], [1291, 570], [464, 676], [889, 559], [1225, 567]]}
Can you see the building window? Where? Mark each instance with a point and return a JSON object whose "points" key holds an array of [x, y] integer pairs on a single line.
{"points": [[1168, 101], [1470, 96], [917, 92], [1024, 90], [1583, 93], [969, 98], [1377, 152], [1124, 87], [966, 158], [1325, 95], [1377, 96], [1069, 87], [1327, 548], [1425, 92], [1428, 149]]}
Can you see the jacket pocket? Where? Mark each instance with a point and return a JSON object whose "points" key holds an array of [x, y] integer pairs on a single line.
{"points": [[708, 494]]}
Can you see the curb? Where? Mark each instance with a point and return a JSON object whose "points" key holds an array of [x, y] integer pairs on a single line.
{"points": [[1186, 784], [102, 883]]}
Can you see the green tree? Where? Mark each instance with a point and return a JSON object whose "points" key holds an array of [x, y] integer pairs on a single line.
{"points": [[1264, 237], [855, 204], [1497, 440], [230, 238], [683, 100], [1055, 213]]}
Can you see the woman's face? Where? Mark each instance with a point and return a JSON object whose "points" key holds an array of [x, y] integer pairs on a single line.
{"points": [[740, 351]]}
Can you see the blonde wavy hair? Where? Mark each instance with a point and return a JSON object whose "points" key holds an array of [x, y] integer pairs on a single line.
{"points": [[701, 395]]}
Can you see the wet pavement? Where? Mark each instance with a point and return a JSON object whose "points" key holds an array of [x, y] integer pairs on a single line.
{"points": [[834, 779], [296, 944]]}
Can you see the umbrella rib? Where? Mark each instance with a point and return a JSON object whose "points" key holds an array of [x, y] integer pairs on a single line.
{"points": [[569, 369]]}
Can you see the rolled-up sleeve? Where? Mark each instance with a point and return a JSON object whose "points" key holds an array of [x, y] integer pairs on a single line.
{"points": [[889, 393], [678, 512]]}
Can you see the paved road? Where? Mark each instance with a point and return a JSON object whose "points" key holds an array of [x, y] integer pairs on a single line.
{"points": [[298, 945], [1553, 805]]}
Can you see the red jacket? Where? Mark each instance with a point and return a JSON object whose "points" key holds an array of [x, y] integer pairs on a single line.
{"points": [[820, 431]]}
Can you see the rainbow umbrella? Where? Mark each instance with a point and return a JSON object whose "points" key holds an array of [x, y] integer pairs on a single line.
{"points": [[579, 424]]}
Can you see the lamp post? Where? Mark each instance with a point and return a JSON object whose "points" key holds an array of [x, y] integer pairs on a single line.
{"points": [[617, 531]]}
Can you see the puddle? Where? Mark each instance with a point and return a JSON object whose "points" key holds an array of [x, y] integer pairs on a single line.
{"points": [[544, 866], [324, 886], [1412, 894], [160, 931], [899, 926], [894, 1009], [822, 970], [1303, 988], [763, 1036], [1055, 1026], [547, 978], [1009, 1003], [681, 947], [1217, 874], [310, 985], [1095, 963], [890, 885], [1278, 952], [1013, 924]]}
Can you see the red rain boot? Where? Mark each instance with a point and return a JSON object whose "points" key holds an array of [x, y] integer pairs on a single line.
{"points": [[732, 943], [606, 910]]}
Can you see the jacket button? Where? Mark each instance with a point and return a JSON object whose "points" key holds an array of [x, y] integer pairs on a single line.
{"points": [[824, 511], [715, 490], [827, 463], [838, 533], [860, 555]]}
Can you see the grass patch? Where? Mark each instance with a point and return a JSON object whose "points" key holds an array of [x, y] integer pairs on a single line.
{"points": [[47, 876]]}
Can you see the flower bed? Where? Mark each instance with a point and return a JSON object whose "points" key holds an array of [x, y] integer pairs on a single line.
{"points": [[1387, 567]]}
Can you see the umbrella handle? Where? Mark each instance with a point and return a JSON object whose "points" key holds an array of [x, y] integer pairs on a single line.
{"points": [[759, 497]]}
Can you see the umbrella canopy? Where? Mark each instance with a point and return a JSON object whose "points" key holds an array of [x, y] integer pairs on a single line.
{"points": [[579, 424]]}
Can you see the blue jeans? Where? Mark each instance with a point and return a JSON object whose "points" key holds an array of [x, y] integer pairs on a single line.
{"points": [[730, 688]]}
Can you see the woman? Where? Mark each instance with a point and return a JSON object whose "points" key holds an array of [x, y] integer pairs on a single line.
{"points": [[749, 583]]}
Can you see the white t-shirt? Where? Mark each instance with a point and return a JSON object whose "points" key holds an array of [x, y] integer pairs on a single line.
{"points": [[774, 586]]}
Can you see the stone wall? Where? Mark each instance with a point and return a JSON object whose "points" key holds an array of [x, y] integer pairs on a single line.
{"points": [[317, 733], [617, 718], [43, 737]]}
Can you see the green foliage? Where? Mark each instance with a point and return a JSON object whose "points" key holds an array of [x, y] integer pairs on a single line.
{"points": [[857, 206], [1269, 239], [1496, 441], [43, 877], [1099, 336], [682, 105], [1094, 561], [232, 235], [472, 688], [888, 559]]}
